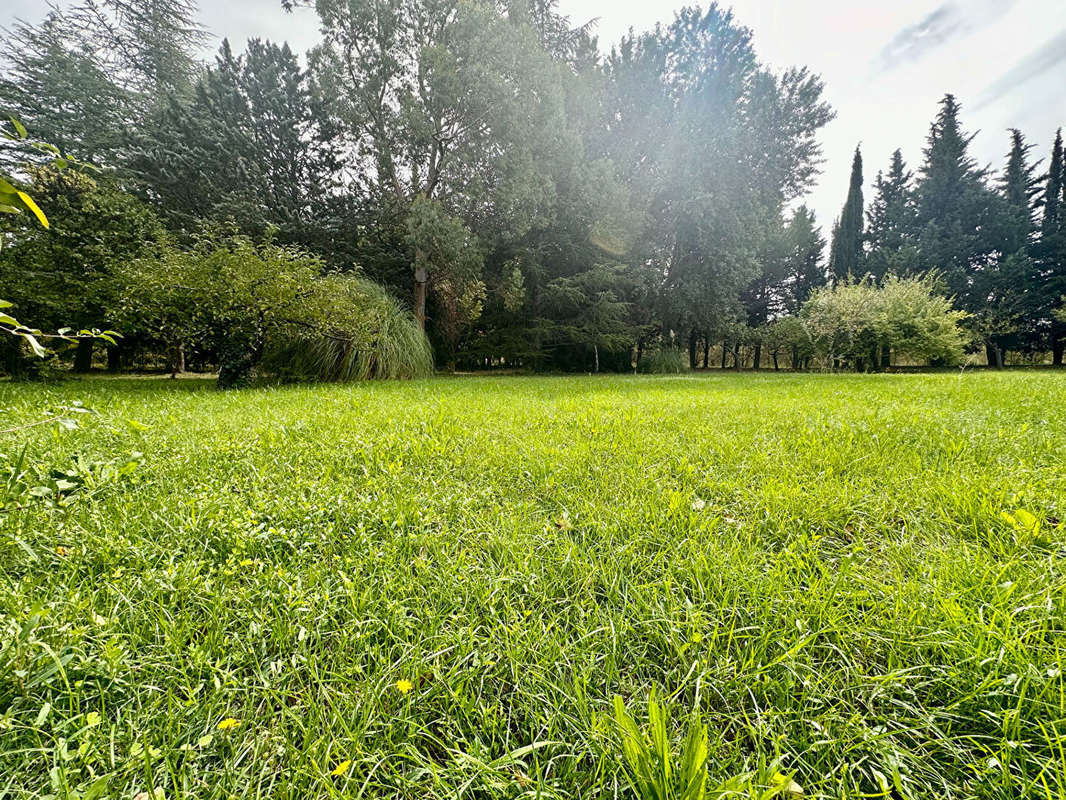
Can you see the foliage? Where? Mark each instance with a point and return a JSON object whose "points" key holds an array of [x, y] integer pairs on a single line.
{"points": [[663, 361], [66, 276], [378, 340], [653, 775], [243, 300], [892, 223], [846, 259], [251, 143], [857, 322], [769, 553]]}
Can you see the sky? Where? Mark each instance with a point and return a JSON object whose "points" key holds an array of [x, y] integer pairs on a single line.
{"points": [[885, 65]]}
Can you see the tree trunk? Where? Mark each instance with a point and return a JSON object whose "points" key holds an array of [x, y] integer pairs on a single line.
{"points": [[736, 356], [420, 292], [114, 358], [886, 357], [83, 356], [595, 352], [692, 350], [177, 360], [706, 349], [795, 357], [1056, 352], [758, 355], [724, 351], [776, 367], [994, 355]]}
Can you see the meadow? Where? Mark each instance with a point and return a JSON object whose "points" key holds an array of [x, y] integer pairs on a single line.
{"points": [[435, 588]]}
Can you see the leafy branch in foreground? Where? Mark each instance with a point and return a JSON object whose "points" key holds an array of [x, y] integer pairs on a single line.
{"points": [[653, 774]]}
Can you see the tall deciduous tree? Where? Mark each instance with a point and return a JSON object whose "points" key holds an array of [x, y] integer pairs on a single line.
{"points": [[456, 102]]}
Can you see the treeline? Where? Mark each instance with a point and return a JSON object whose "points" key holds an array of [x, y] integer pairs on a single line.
{"points": [[534, 203]]}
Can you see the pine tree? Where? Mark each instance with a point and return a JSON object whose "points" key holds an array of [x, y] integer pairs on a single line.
{"points": [[892, 223], [847, 251]]}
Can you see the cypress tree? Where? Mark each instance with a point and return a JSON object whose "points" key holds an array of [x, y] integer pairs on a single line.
{"points": [[953, 207], [892, 222], [1052, 247], [1054, 188], [846, 256], [1019, 188]]}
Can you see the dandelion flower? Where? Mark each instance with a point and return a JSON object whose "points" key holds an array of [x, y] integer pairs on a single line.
{"points": [[404, 685], [341, 768], [62, 551], [228, 723]]}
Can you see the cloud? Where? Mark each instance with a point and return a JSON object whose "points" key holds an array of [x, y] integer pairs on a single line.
{"points": [[916, 40], [1048, 57], [945, 22]]}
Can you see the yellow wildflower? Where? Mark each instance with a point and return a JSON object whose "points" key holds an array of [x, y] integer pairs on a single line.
{"points": [[404, 685], [247, 562], [61, 550], [228, 723], [341, 768]]}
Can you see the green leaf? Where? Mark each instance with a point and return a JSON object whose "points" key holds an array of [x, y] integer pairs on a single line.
{"points": [[20, 129], [32, 206]]}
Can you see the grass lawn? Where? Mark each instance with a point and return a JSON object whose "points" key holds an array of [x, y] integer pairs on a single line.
{"points": [[446, 582]]}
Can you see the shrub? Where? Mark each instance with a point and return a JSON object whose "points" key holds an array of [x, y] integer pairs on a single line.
{"points": [[265, 307], [380, 340], [860, 323], [667, 361]]}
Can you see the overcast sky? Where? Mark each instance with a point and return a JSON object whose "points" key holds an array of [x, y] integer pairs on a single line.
{"points": [[885, 64]]}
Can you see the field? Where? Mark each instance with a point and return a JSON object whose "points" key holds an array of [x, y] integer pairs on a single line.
{"points": [[858, 580]]}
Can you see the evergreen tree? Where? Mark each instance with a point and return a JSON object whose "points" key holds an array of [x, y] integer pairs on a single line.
{"points": [[953, 208], [88, 76], [1054, 187], [1007, 283], [251, 145], [805, 268], [846, 257], [891, 228], [1051, 250]]}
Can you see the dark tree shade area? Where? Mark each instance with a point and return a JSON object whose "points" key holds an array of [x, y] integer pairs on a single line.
{"points": [[532, 202]]}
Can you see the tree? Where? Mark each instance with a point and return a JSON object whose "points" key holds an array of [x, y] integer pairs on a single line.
{"points": [[66, 275], [712, 146], [853, 322], [846, 252], [251, 143], [892, 224], [804, 266], [263, 306], [1051, 248], [952, 206], [448, 260], [88, 76]]}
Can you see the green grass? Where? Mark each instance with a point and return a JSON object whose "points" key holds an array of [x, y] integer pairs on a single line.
{"points": [[836, 573]]}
